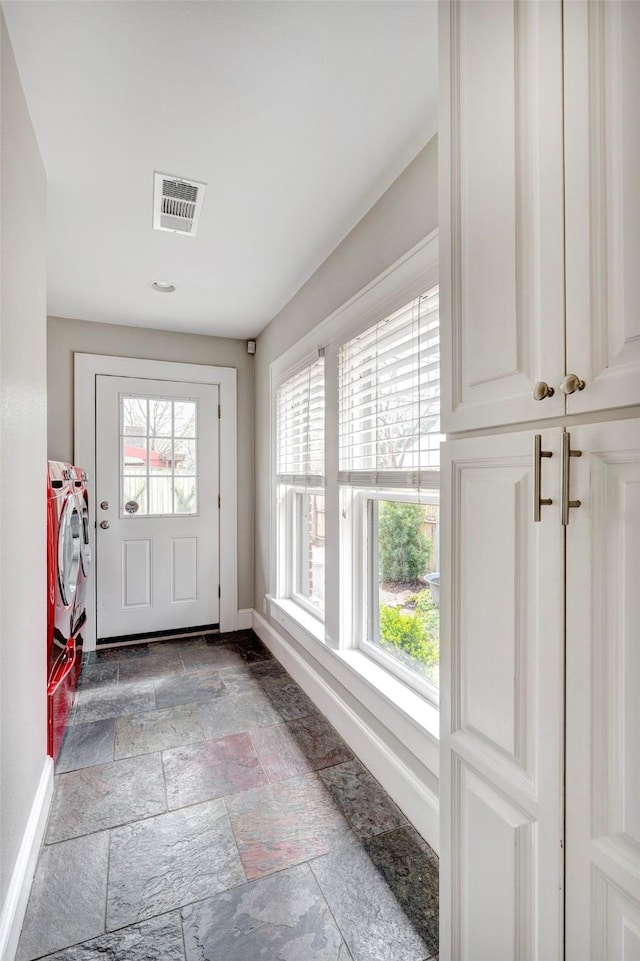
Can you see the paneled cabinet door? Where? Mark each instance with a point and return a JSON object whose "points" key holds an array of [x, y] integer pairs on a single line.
{"points": [[501, 211], [502, 708], [602, 146], [603, 696]]}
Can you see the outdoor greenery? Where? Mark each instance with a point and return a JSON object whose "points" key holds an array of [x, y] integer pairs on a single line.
{"points": [[415, 633], [404, 547]]}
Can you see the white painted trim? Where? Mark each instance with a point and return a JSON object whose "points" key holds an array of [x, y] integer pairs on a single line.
{"points": [[412, 796], [86, 368], [244, 619], [15, 904]]}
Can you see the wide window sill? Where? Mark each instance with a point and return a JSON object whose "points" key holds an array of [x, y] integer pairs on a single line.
{"points": [[308, 631]]}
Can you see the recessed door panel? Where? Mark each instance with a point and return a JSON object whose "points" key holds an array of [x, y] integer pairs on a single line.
{"points": [[136, 573], [184, 569]]}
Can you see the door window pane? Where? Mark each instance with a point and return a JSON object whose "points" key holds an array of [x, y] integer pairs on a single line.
{"points": [[158, 453], [404, 608]]}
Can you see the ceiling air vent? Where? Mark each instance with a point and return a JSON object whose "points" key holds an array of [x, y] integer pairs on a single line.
{"points": [[177, 204]]}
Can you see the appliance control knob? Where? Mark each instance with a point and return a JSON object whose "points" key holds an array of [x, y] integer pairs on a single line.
{"points": [[104, 525], [104, 505]]}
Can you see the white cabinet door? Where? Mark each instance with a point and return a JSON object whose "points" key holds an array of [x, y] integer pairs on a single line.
{"points": [[602, 138], [502, 707], [603, 696], [501, 211], [157, 482]]}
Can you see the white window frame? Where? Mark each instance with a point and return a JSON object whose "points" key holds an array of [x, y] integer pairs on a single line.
{"points": [[286, 521], [365, 612], [407, 279]]}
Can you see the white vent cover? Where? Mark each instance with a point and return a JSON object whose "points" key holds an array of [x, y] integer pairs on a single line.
{"points": [[177, 204]]}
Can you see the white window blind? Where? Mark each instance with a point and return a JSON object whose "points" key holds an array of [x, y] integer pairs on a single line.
{"points": [[389, 400], [300, 427]]}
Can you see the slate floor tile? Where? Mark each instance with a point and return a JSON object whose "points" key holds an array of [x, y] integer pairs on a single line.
{"points": [[128, 697], [283, 824], [299, 746], [411, 869], [98, 673], [67, 898], [157, 730], [168, 861], [212, 657], [267, 668], [211, 769], [151, 668], [366, 806], [189, 688], [158, 938], [288, 698], [119, 653], [95, 798], [252, 649], [177, 646], [280, 918], [381, 896], [86, 744], [236, 713]]}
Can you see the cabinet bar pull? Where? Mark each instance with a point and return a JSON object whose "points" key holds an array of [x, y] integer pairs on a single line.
{"points": [[567, 454], [538, 454]]}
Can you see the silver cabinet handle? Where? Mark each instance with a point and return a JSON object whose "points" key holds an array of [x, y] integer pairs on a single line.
{"points": [[542, 390], [538, 454], [567, 454], [104, 525], [571, 383]]}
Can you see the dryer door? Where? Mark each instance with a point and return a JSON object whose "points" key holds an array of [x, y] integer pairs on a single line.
{"points": [[69, 541]]}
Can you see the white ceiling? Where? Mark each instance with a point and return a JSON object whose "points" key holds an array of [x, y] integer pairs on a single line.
{"points": [[297, 115]]}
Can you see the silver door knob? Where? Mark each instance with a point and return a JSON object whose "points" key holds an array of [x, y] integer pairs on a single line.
{"points": [[570, 383], [104, 505], [542, 390], [104, 525]]}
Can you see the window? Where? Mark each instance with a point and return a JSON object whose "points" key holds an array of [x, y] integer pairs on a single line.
{"points": [[389, 456], [158, 441], [300, 478], [357, 479]]}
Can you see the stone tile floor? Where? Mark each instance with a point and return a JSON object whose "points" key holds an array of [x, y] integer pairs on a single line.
{"points": [[204, 810]]}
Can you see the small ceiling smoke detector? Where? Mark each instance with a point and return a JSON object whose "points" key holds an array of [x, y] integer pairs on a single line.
{"points": [[177, 204], [163, 286]]}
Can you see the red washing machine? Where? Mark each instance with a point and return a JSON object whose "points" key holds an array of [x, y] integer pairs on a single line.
{"points": [[68, 557]]}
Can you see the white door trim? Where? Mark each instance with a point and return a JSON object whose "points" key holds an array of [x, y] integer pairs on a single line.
{"points": [[86, 368]]}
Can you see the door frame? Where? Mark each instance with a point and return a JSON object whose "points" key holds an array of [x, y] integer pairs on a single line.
{"points": [[86, 368]]}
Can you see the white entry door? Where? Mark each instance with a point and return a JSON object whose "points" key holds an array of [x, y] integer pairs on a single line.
{"points": [[157, 506]]}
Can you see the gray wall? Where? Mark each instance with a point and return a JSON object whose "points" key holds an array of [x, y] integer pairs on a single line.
{"points": [[23, 445], [403, 216], [66, 336]]}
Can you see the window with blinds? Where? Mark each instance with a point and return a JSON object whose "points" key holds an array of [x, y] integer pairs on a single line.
{"points": [[300, 427], [389, 400]]}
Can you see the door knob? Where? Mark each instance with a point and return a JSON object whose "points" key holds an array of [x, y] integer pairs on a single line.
{"points": [[571, 383], [104, 525], [104, 505], [542, 390]]}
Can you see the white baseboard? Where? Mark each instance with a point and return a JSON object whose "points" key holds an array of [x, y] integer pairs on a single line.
{"points": [[15, 905], [245, 619], [413, 797]]}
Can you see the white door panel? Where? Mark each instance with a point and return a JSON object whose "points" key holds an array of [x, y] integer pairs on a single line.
{"points": [[500, 143], [603, 706], [502, 682], [602, 144], [157, 456]]}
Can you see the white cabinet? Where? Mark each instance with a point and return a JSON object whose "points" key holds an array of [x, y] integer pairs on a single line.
{"points": [[603, 696], [540, 278], [538, 176], [501, 803]]}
